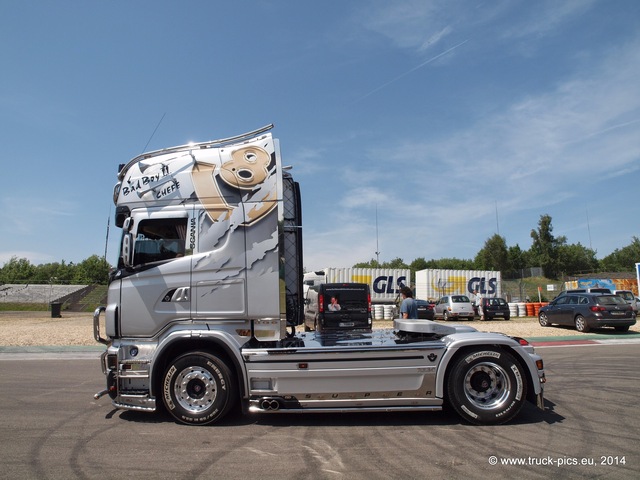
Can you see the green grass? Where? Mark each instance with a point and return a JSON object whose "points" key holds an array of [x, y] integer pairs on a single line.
{"points": [[24, 307], [94, 299]]}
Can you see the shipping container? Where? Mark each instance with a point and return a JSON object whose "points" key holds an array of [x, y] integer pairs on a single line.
{"points": [[431, 284], [384, 283]]}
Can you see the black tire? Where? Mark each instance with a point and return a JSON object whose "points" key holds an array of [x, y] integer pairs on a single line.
{"points": [[487, 318], [445, 316], [543, 320], [486, 386], [507, 317], [622, 328], [198, 388], [581, 324], [471, 319]]}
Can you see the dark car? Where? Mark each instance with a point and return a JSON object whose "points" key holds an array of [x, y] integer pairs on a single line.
{"points": [[588, 310], [495, 308], [338, 306], [425, 309]]}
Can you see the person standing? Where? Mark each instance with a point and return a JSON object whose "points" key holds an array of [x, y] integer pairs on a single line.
{"points": [[479, 304], [409, 307]]}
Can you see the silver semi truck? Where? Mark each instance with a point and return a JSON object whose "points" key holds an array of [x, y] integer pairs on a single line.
{"points": [[204, 304]]}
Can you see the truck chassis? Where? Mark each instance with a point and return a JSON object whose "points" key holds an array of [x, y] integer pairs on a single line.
{"points": [[200, 374]]}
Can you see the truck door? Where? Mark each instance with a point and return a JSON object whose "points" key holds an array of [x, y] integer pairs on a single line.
{"points": [[155, 286], [220, 268]]}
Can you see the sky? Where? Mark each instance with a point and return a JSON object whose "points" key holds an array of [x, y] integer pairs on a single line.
{"points": [[416, 128]]}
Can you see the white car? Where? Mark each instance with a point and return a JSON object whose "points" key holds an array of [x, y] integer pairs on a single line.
{"points": [[629, 297], [454, 306]]}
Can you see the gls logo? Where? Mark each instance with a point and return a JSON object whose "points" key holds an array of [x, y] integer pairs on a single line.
{"points": [[384, 284], [485, 287]]}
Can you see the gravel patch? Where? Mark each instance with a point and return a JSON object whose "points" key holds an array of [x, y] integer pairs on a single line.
{"points": [[25, 329]]}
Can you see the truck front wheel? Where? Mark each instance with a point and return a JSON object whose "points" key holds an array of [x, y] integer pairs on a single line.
{"points": [[197, 388], [487, 387]]}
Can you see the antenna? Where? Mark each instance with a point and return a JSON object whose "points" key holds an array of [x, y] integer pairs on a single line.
{"points": [[377, 247], [106, 241], [154, 132], [589, 230]]}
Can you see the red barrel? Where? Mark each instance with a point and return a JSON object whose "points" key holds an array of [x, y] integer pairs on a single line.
{"points": [[536, 308], [530, 310]]}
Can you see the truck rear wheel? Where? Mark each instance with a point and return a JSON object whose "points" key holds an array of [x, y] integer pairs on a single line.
{"points": [[197, 388], [487, 387]]}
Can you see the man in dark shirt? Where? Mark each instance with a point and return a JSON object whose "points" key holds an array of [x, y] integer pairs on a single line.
{"points": [[409, 307]]}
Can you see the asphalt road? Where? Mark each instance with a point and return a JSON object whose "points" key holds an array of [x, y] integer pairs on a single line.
{"points": [[51, 427]]}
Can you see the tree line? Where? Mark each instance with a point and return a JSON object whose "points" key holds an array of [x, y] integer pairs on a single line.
{"points": [[91, 271], [557, 258], [554, 255]]}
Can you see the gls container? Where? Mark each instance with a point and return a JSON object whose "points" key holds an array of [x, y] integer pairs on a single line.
{"points": [[384, 283], [432, 284]]}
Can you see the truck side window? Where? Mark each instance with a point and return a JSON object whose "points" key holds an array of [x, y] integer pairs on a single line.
{"points": [[159, 239]]}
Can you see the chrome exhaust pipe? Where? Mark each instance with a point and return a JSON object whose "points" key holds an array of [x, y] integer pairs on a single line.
{"points": [[270, 404], [100, 394]]}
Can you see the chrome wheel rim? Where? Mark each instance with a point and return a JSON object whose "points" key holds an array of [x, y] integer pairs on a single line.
{"points": [[487, 386], [195, 389]]}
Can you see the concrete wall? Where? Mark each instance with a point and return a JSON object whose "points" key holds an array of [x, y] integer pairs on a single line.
{"points": [[16, 293]]}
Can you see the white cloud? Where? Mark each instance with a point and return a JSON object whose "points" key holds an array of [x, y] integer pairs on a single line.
{"points": [[544, 149], [436, 37], [546, 16], [422, 24]]}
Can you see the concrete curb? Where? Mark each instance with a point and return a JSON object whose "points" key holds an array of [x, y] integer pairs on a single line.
{"points": [[53, 349], [584, 339]]}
